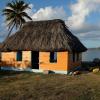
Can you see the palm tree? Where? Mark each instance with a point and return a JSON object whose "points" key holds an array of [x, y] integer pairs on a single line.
{"points": [[16, 15]]}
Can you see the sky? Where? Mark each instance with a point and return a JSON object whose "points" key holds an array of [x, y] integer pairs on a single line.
{"points": [[81, 16]]}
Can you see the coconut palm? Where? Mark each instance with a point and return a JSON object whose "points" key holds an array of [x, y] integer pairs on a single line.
{"points": [[16, 15]]}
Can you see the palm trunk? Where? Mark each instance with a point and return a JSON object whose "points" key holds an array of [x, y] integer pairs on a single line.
{"points": [[10, 31], [8, 36]]}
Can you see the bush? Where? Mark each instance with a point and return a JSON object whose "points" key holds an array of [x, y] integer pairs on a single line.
{"points": [[87, 65], [96, 61]]}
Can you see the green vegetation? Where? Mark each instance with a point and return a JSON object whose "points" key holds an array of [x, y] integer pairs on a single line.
{"points": [[16, 15], [31, 86]]}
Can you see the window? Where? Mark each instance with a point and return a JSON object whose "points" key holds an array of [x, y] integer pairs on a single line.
{"points": [[53, 57], [19, 56]]}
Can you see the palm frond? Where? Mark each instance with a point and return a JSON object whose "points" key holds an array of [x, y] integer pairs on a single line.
{"points": [[24, 7], [24, 14], [8, 10], [11, 16], [15, 14], [11, 5], [10, 23]]}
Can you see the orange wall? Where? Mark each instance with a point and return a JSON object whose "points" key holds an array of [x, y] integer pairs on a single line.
{"points": [[26, 56], [9, 59], [8, 56], [62, 61]]}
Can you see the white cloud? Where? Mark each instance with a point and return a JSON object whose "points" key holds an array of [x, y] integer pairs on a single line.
{"points": [[90, 35], [86, 27], [78, 20], [30, 10], [80, 10], [48, 13]]}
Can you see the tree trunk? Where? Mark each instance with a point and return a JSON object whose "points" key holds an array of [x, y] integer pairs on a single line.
{"points": [[8, 36], [10, 31]]}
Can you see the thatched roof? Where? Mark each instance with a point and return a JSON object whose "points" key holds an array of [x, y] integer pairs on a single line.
{"points": [[1, 45], [51, 35], [0, 50]]}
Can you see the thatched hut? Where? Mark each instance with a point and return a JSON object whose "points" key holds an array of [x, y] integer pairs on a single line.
{"points": [[0, 50], [43, 45]]}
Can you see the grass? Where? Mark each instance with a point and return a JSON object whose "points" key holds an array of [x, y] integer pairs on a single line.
{"points": [[31, 86]]}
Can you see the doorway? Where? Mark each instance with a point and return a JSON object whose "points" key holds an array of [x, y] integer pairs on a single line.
{"points": [[35, 59]]}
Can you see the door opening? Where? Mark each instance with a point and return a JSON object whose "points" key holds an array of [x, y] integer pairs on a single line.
{"points": [[35, 59]]}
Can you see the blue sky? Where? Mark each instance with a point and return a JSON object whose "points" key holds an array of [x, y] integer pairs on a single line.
{"points": [[81, 16]]}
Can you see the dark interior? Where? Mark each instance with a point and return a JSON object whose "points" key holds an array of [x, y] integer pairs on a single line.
{"points": [[35, 59], [19, 56], [52, 57]]}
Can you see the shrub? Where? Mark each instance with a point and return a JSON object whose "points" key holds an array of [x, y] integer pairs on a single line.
{"points": [[96, 61]]}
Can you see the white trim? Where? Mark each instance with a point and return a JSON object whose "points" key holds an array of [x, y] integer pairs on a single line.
{"points": [[61, 72], [21, 69], [33, 70]]}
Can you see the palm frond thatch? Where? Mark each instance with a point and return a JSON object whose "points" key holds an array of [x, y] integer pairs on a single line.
{"points": [[51, 35]]}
